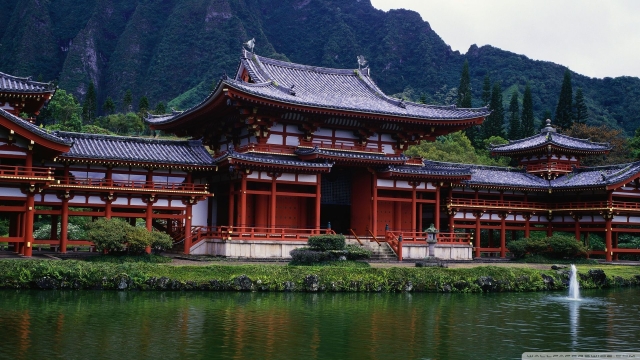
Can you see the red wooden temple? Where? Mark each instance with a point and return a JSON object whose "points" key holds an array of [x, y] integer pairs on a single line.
{"points": [[292, 150]]}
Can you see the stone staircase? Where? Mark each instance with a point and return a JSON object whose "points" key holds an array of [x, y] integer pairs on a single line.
{"points": [[380, 253]]}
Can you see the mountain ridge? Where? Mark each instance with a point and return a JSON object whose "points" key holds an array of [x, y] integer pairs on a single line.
{"points": [[175, 50]]}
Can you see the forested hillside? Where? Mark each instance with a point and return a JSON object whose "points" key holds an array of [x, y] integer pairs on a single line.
{"points": [[177, 49]]}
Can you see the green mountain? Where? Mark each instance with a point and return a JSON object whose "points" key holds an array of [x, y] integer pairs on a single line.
{"points": [[175, 50]]}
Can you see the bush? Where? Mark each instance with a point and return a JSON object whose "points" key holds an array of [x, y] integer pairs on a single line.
{"points": [[326, 242], [138, 238], [518, 248], [108, 234], [308, 256], [557, 247], [561, 246], [74, 232], [161, 241], [355, 252]]}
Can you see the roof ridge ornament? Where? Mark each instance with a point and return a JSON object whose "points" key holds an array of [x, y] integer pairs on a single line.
{"points": [[250, 44], [548, 128], [362, 62]]}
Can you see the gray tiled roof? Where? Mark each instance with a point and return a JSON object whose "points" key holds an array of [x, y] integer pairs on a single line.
{"points": [[340, 89], [597, 176], [11, 83], [548, 136], [131, 149], [269, 159], [32, 128], [350, 155], [431, 168], [505, 177]]}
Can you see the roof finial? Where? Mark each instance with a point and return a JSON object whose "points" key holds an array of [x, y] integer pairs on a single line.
{"points": [[251, 44], [548, 128], [361, 62]]}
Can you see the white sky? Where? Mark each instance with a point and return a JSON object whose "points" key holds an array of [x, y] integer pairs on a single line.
{"points": [[596, 38]]}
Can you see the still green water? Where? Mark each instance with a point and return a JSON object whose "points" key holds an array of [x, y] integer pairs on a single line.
{"points": [[198, 325]]}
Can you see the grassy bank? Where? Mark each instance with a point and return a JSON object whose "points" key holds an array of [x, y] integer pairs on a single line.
{"points": [[71, 274]]}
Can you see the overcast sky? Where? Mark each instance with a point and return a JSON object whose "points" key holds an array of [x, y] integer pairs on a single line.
{"points": [[597, 38]]}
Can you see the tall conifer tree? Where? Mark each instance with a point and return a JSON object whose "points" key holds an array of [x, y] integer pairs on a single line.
{"points": [[143, 105], [127, 101], [109, 107], [464, 90], [581, 113], [486, 91], [515, 131], [493, 126], [89, 105], [564, 110], [528, 128]]}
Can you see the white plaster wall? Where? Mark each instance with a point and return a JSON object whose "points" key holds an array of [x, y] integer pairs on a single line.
{"points": [[442, 252], [199, 214]]}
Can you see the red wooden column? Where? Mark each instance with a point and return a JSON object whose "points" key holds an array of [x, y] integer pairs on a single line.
{"points": [[187, 229], [64, 223], [478, 215], [273, 202], [577, 226], [232, 200], [420, 206], [413, 207], [436, 209], [503, 235], [374, 198], [28, 225], [318, 203], [608, 236], [527, 225], [243, 201]]}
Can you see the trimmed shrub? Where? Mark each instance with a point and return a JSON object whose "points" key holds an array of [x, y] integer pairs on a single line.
{"points": [[160, 241], [537, 246], [518, 248], [108, 234], [561, 246], [308, 256], [138, 238], [355, 252], [326, 242]]}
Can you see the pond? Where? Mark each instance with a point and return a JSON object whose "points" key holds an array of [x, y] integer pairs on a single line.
{"points": [[199, 325]]}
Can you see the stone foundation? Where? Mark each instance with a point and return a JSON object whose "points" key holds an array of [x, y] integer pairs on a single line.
{"points": [[443, 252]]}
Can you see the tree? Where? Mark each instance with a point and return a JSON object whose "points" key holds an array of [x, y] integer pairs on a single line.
{"points": [[493, 126], [109, 107], [515, 131], [464, 90], [581, 113], [160, 109], [486, 91], [527, 113], [65, 111], [456, 148], [108, 234], [89, 105], [143, 105], [564, 110], [127, 101], [620, 152]]}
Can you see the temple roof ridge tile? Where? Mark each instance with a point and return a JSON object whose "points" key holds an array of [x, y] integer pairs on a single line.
{"points": [[23, 84], [33, 128]]}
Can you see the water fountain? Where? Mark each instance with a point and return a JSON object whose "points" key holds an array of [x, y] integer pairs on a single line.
{"points": [[574, 287]]}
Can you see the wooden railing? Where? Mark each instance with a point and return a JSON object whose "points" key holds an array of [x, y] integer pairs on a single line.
{"points": [[23, 171], [549, 167], [255, 233], [453, 238], [395, 242], [374, 237], [132, 185], [353, 233], [518, 205], [479, 203]]}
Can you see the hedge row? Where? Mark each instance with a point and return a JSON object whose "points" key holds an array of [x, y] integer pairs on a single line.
{"points": [[42, 274]]}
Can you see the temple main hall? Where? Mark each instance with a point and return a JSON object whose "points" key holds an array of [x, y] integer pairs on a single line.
{"points": [[282, 151]]}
